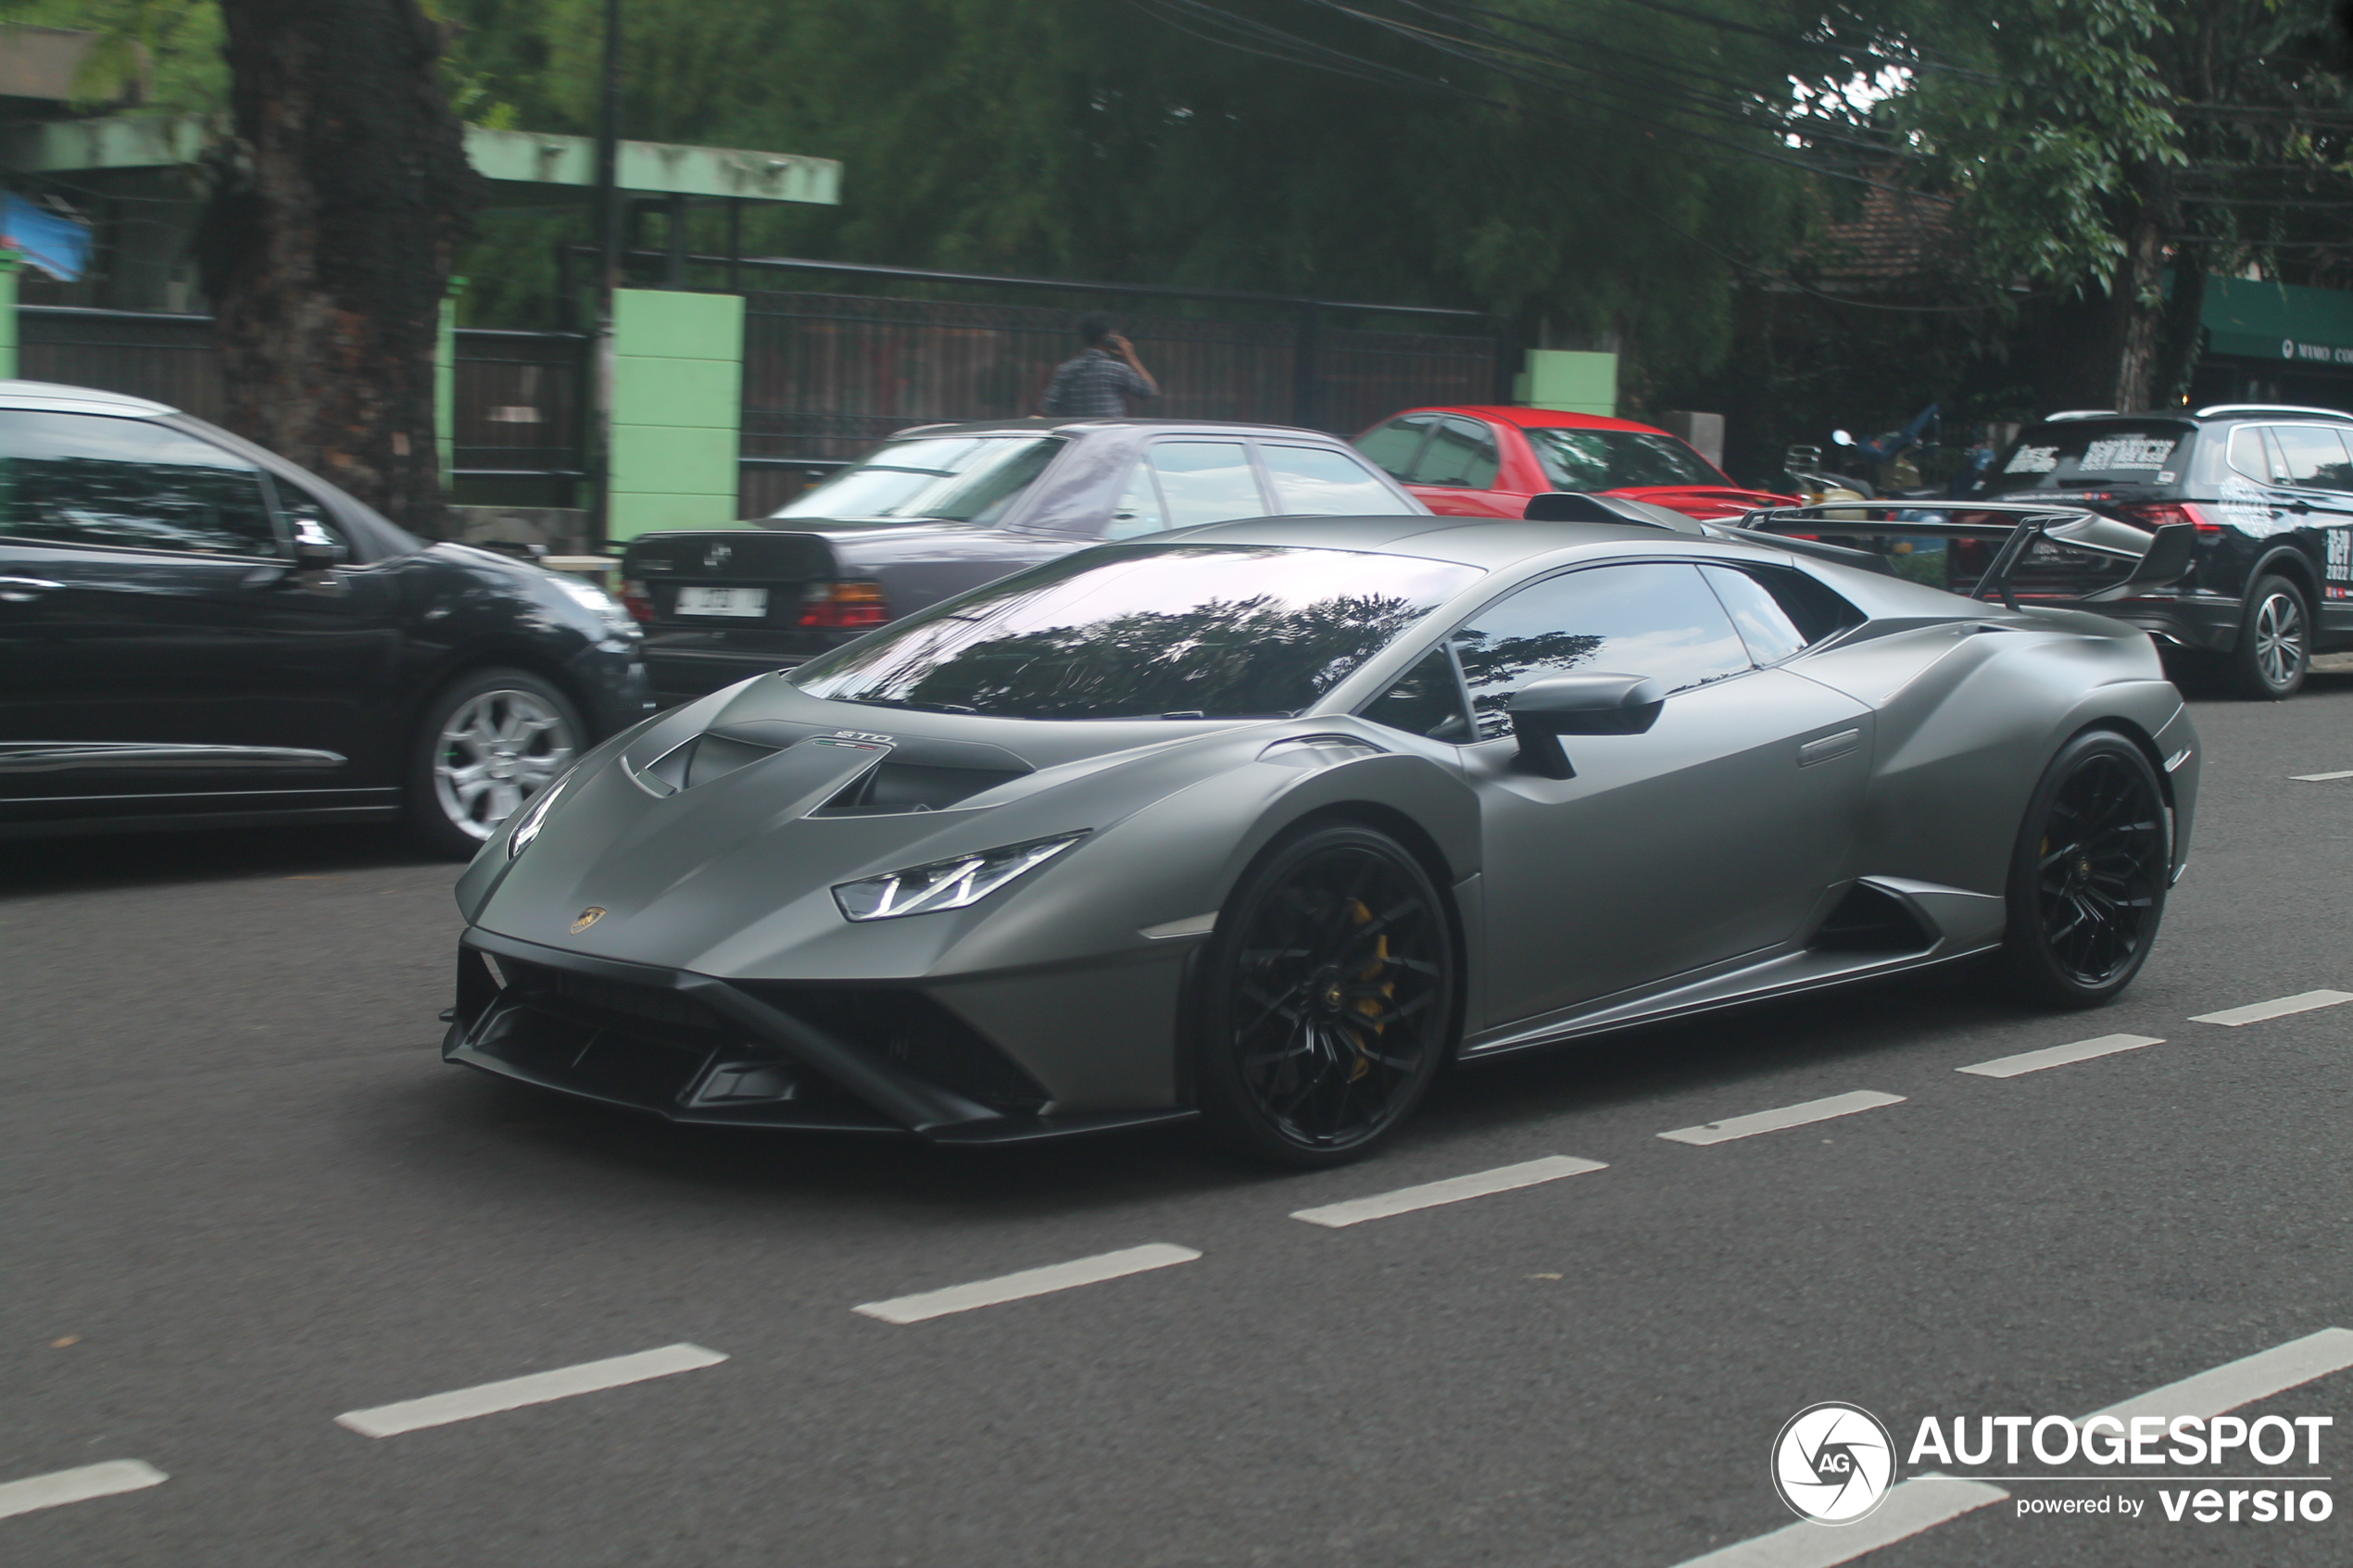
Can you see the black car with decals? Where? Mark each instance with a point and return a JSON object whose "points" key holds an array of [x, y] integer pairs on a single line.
{"points": [[940, 509], [194, 632]]}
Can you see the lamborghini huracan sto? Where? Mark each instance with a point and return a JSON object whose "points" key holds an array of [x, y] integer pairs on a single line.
{"points": [[1265, 822]]}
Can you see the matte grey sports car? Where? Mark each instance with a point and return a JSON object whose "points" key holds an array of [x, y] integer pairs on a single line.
{"points": [[1264, 821]]}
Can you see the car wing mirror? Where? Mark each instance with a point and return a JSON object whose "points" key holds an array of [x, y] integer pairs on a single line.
{"points": [[1595, 703], [315, 549]]}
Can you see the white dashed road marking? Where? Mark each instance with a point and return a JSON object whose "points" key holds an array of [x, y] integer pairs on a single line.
{"points": [[2243, 1382], [1911, 1506], [1028, 1283], [2059, 1055], [61, 1487], [2320, 778], [1926, 1500], [2279, 1007], [1787, 1116], [487, 1399], [1454, 1189]]}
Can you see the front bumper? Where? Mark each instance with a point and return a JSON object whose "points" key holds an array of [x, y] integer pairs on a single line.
{"points": [[692, 1048]]}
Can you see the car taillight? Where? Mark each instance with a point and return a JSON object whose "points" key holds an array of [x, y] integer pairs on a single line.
{"points": [[845, 605], [634, 600], [2158, 514]]}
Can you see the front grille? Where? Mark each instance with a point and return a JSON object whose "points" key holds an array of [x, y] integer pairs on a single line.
{"points": [[619, 1000], [912, 1034]]}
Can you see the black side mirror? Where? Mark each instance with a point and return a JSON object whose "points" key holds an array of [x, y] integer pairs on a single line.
{"points": [[315, 549], [1595, 703]]}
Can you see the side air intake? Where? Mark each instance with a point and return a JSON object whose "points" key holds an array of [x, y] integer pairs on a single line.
{"points": [[1872, 920]]}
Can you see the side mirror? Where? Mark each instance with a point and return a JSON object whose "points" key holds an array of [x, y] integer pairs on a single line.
{"points": [[1597, 704], [1840, 438], [315, 549]]}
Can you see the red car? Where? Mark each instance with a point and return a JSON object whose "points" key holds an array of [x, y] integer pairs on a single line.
{"points": [[1487, 462]]}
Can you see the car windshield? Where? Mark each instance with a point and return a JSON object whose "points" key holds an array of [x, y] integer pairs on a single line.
{"points": [[1177, 630], [2072, 454], [954, 478], [1617, 460]]}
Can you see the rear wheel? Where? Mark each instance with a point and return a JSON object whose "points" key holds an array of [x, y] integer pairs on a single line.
{"points": [[2089, 875], [1327, 999], [2275, 641], [488, 743]]}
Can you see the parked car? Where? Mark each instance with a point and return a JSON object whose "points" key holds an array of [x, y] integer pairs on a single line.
{"points": [[2269, 492], [194, 632], [945, 507], [1264, 823], [1488, 462]]}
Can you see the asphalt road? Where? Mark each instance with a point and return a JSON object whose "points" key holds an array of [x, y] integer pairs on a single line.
{"points": [[243, 1196]]}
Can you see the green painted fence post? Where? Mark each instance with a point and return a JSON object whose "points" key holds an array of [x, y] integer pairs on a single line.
{"points": [[445, 385], [678, 410], [10, 265]]}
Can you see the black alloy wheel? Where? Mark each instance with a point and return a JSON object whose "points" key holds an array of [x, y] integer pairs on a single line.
{"points": [[2274, 648], [2089, 876], [1328, 1000]]}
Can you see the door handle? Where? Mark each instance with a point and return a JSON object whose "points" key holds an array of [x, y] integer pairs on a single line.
{"points": [[20, 590]]}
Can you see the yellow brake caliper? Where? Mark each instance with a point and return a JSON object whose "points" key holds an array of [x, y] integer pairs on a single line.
{"points": [[1371, 1006]]}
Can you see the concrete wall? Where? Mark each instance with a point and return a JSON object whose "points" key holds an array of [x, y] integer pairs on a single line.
{"points": [[678, 408]]}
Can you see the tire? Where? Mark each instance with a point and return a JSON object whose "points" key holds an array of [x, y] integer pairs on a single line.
{"points": [[2089, 876], [2274, 649], [486, 746], [1325, 1000]]}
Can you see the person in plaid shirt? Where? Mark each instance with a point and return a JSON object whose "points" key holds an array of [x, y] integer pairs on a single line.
{"points": [[1097, 383]]}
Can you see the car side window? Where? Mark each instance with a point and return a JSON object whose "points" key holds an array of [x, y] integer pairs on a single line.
{"points": [[1206, 482], [1461, 453], [2248, 455], [1394, 446], [1426, 700], [1138, 510], [128, 483], [2315, 456], [307, 517], [1323, 482], [1763, 625], [1658, 620]]}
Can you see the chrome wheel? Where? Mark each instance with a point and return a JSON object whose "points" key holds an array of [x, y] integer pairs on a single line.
{"points": [[2279, 638], [496, 750]]}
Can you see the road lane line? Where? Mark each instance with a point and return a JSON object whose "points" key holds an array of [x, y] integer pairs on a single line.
{"points": [[2279, 1007], [1787, 1116], [1454, 1189], [61, 1487], [2243, 1382], [2059, 1055], [1027, 1283], [1910, 1507], [2320, 778], [537, 1388]]}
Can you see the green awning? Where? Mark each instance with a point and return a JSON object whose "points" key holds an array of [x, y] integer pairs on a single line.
{"points": [[2285, 322]]}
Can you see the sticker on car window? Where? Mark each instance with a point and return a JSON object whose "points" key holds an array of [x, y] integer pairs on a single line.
{"points": [[2034, 459], [2117, 452]]}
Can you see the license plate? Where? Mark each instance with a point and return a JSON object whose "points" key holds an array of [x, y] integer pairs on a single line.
{"points": [[723, 601]]}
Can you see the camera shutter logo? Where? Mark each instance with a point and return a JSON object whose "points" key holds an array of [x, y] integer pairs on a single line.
{"points": [[1833, 1462]]}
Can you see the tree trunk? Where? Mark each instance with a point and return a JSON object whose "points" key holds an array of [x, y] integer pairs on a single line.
{"points": [[336, 218], [2136, 300]]}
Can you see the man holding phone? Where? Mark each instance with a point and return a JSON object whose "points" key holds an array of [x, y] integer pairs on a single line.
{"points": [[1099, 383]]}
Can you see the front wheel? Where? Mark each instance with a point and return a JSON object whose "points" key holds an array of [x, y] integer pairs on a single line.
{"points": [[1327, 999], [2088, 878], [2274, 648], [486, 745]]}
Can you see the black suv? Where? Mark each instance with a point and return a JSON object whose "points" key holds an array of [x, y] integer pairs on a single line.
{"points": [[2270, 492], [193, 630]]}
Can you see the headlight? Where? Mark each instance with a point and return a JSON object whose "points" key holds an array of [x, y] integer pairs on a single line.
{"points": [[536, 813], [947, 884], [615, 616]]}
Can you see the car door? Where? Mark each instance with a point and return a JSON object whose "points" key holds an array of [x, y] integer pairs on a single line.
{"points": [[1394, 448], [1456, 473], [156, 645], [2314, 497], [1714, 835]]}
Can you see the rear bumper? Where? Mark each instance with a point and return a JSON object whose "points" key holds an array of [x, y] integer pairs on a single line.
{"points": [[691, 1048], [2201, 622]]}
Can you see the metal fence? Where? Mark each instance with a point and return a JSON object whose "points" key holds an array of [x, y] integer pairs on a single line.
{"points": [[518, 395]]}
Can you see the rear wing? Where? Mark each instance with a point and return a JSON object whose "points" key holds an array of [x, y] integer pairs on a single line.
{"points": [[2159, 557]]}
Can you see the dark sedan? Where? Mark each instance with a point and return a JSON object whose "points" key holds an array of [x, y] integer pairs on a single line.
{"points": [[941, 508], [194, 632]]}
